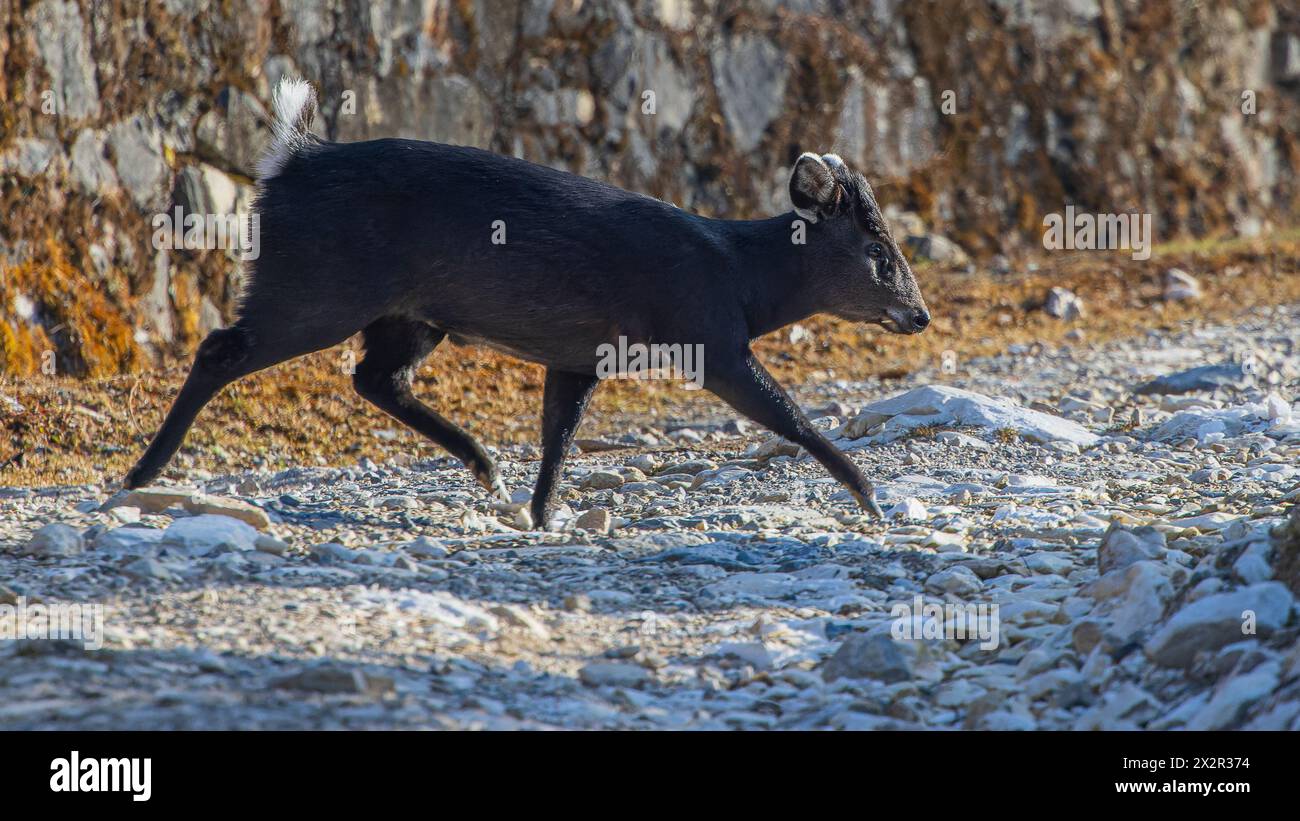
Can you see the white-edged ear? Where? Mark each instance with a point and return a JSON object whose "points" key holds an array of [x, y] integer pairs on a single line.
{"points": [[813, 189]]}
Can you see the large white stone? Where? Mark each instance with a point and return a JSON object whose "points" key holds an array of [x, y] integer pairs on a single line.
{"points": [[1211, 425], [953, 407], [202, 535], [1212, 622]]}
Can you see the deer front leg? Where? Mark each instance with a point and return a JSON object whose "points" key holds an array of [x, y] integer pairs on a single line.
{"points": [[745, 385], [564, 399]]}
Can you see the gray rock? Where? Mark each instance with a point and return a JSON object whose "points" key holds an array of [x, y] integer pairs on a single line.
{"points": [[460, 114], [271, 545], [427, 548], [149, 499], [1122, 546], [332, 680], [91, 170], [1133, 597], [875, 655], [1126, 707], [138, 158], [332, 553], [960, 581], [750, 73], [1180, 285], [1233, 696], [1253, 565], [613, 674], [851, 129], [602, 480], [520, 617], [129, 540], [203, 189], [753, 653], [1202, 378], [30, 158], [536, 17], [1063, 304], [654, 69], [936, 248], [310, 22], [149, 569], [56, 539], [597, 519], [63, 43], [235, 132], [1286, 56]]}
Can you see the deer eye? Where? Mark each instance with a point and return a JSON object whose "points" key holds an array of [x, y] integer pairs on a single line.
{"points": [[876, 251]]}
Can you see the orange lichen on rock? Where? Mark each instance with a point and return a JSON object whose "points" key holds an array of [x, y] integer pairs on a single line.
{"points": [[86, 334]]}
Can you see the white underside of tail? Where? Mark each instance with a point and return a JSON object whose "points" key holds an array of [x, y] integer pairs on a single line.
{"points": [[294, 103]]}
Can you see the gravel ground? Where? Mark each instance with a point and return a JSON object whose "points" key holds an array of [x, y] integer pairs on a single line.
{"points": [[1062, 551]]}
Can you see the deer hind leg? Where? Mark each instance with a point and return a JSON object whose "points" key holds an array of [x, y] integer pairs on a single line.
{"points": [[394, 349]]}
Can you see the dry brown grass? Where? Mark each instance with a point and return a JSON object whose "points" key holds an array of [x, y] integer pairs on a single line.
{"points": [[305, 412]]}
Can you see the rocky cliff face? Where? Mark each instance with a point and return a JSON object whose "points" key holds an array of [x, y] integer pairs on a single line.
{"points": [[977, 117]]}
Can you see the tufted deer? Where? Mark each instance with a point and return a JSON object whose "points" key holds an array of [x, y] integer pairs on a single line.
{"points": [[412, 242]]}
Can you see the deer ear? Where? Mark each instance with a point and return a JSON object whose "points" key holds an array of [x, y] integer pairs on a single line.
{"points": [[813, 189]]}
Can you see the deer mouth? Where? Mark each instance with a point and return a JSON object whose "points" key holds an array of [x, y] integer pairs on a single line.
{"points": [[905, 320], [890, 324]]}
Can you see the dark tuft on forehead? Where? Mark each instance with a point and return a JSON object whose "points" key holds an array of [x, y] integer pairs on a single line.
{"points": [[863, 201]]}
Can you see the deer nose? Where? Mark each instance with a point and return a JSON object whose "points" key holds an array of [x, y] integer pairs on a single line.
{"points": [[921, 319]]}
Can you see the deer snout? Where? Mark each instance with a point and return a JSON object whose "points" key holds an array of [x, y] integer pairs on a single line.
{"points": [[907, 320]]}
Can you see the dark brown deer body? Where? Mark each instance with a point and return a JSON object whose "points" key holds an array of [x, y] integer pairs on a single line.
{"points": [[409, 242]]}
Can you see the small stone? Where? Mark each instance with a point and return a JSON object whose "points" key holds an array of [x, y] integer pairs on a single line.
{"points": [[1063, 304], [577, 603], [56, 539], [270, 544], [753, 653], [874, 655], [909, 508], [602, 480], [330, 679], [596, 519], [146, 568], [519, 617], [691, 466], [131, 539], [613, 674], [1180, 285], [125, 515], [332, 553], [427, 548], [960, 581], [1122, 546]]}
